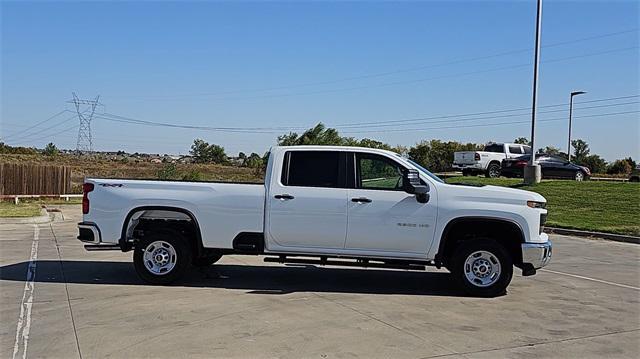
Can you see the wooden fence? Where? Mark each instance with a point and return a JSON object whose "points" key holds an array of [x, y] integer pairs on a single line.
{"points": [[32, 179]]}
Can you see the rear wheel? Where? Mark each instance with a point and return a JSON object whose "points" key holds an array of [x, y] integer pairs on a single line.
{"points": [[493, 171], [482, 267], [162, 257]]}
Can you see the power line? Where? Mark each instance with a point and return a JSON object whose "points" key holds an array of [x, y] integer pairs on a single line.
{"points": [[454, 119], [393, 72], [39, 123], [395, 83], [491, 124], [44, 129], [450, 118]]}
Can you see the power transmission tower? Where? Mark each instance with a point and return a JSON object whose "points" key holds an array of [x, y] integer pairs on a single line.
{"points": [[85, 110]]}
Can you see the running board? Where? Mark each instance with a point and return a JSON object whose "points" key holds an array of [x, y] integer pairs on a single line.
{"points": [[357, 263], [101, 247]]}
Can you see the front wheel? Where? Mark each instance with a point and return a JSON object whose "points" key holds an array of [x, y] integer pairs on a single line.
{"points": [[483, 268], [162, 257], [579, 176]]}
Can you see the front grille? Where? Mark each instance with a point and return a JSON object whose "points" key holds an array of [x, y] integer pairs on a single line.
{"points": [[543, 220]]}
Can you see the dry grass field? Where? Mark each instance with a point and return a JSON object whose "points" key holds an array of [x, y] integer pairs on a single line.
{"points": [[99, 167]]}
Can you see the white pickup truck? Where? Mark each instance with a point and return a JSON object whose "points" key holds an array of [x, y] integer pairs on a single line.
{"points": [[488, 161], [323, 205]]}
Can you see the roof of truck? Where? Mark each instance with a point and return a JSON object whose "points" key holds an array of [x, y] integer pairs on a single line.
{"points": [[333, 148]]}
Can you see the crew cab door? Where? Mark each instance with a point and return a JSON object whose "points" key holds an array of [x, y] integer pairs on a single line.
{"points": [[307, 205], [383, 218]]}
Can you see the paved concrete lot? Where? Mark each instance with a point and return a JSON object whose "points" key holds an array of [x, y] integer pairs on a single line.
{"points": [[92, 305]]}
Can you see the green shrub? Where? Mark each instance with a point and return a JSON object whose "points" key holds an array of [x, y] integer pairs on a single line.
{"points": [[168, 171]]}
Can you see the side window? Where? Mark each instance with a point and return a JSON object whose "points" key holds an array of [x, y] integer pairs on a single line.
{"points": [[311, 169], [378, 172], [498, 148], [515, 149]]}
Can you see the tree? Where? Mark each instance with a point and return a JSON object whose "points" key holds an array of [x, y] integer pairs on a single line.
{"points": [[580, 150], [253, 161], [204, 152], [318, 135], [436, 155], [522, 141], [622, 166], [50, 150], [595, 163]]}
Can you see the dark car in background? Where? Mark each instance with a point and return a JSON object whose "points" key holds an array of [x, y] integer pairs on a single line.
{"points": [[552, 167], [635, 174]]}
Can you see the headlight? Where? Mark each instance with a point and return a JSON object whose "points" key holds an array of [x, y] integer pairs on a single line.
{"points": [[534, 204]]}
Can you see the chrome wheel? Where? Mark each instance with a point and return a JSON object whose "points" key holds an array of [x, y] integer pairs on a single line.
{"points": [[494, 171], [579, 176], [159, 257], [482, 268]]}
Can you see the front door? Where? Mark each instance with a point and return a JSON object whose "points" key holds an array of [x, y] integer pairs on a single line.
{"points": [[383, 218], [307, 208]]}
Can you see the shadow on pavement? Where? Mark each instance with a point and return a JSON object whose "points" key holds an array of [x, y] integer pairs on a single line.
{"points": [[254, 279]]}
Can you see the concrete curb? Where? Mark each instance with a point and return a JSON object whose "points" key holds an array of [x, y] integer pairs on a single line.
{"points": [[44, 217], [609, 236]]}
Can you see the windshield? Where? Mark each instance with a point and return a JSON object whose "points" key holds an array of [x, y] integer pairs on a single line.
{"points": [[425, 171]]}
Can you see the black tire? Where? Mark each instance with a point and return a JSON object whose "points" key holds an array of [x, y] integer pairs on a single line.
{"points": [[466, 173], [207, 260], [179, 254], [579, 176], [493, 171], [459, 269]]}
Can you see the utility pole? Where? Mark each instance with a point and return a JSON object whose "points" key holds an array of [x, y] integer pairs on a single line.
{"points": [[85, 142], [533, 173], [574, 93]]}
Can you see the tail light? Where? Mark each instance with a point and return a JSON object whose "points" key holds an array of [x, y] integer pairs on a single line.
{"points": [[86, 188], [521, 163], [477, 156]]}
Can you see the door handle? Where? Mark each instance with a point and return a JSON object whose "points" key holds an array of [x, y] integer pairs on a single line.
{"points": [[283, 196], [361, 200]]}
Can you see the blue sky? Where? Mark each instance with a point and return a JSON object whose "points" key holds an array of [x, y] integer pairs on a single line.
{"points": [[294, 64]]}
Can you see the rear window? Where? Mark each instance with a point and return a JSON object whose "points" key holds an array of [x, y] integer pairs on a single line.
{"points": [[515, 149], [311, 169], [494, 148]]}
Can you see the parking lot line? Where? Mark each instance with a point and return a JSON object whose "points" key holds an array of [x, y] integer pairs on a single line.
{"points": [[591, 279], [24, 320]]}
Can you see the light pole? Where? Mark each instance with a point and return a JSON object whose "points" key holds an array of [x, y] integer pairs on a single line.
{"points": [[574, 93], [533, 173]]}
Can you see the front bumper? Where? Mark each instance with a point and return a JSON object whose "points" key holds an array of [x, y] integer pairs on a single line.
{"points": [[536, 255]]}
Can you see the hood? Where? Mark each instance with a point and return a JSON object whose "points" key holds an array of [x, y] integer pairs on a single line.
{"points": [[495, 194]]}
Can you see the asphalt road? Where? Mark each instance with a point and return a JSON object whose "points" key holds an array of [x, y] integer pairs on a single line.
{"points": [[92, 305]]}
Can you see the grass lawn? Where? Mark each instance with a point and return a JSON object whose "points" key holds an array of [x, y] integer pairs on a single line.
{"points": [[612, 207], [23, 209], [31, 207]]}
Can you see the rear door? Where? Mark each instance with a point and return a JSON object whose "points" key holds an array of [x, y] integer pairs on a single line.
{"points": [[308, 205], [383, 218]]}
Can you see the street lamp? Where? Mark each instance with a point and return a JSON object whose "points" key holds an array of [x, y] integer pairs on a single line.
{"points": [[533, 172], [574, 93]]}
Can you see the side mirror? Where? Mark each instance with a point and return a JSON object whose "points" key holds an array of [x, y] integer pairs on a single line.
{"points": [[411, 184]]}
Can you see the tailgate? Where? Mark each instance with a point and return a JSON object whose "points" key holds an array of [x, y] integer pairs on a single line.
{"points": [[464, 158]]}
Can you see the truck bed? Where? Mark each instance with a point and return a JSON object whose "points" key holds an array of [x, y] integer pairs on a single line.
{"points": [[222, 209]]}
